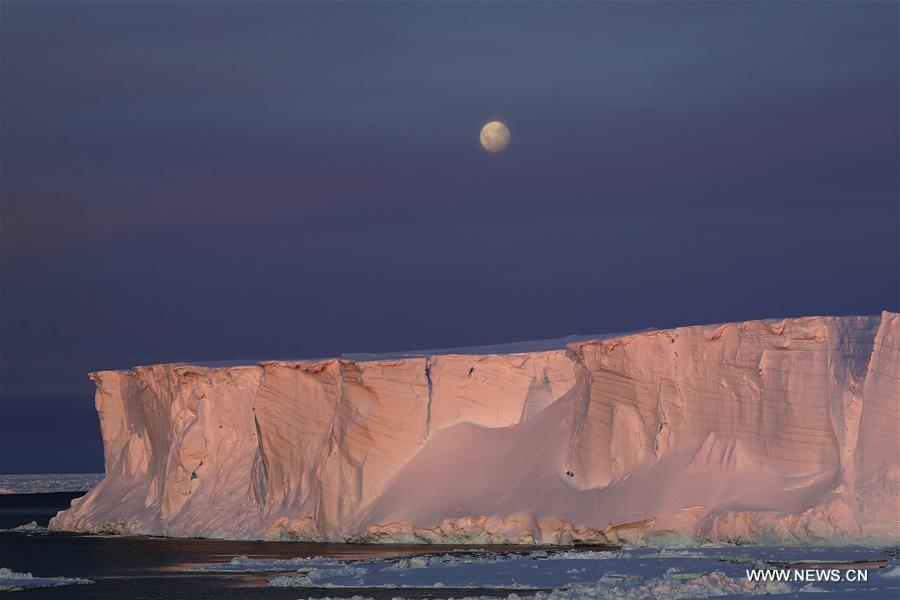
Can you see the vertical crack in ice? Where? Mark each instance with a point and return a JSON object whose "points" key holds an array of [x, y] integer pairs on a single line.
{"points": [[582, 391], [660, 416], [428, 405], [260, 468]]}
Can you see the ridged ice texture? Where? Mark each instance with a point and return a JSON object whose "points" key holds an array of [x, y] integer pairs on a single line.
{"points": [[759, 431]]}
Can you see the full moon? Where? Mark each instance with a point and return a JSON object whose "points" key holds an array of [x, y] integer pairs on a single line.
{"points": [[494, 136]]}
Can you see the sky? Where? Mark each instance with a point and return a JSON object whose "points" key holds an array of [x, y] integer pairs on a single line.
{"points": [[185, 181]]}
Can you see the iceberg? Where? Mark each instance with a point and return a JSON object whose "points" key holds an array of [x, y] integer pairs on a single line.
{"points": [[769, 431]]}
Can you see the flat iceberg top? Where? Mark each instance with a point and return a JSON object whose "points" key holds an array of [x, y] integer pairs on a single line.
{"points": [[499, 349], [504, 348]]}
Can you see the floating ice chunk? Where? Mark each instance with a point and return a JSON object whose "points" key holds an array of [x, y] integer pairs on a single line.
{"points": [[291, 581], [26, 528], [892, 572], [543, 569], [347, 571], [674, 585], [668, 574], [12, 581], [243, 564], [351, 598]]}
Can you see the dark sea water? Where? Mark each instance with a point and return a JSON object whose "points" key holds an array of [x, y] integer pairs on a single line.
{"points": [[152, 568]]}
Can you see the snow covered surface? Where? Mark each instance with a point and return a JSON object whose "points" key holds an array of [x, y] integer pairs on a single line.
{"points": [[11, 581], [664, 573], [765, 432], [41, 483]]}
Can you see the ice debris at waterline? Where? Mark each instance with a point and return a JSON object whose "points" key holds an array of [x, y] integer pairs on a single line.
{"points": [[627, 573], [784, 430], [672, 585], [11, 581], [30, 527]]}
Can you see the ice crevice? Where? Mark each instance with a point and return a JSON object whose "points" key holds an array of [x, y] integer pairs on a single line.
{"points": [[430, 386], [259, 474]]}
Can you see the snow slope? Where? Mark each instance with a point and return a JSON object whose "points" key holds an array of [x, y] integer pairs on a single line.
{"points": [[765, 430]]}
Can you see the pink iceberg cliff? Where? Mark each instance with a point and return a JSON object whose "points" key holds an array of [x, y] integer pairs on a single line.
{"points": [[759, 431]]}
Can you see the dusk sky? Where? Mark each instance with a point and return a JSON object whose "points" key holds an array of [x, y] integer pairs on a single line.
{"points": [[247, 180]]}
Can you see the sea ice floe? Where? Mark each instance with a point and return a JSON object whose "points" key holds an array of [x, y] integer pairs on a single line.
{"points": [[11, 581], [673, 585], [243, 564], [340, 598], [668, 573], [892, 572]]}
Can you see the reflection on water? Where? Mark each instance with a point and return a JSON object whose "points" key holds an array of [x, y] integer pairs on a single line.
{"points": [[130, 567], [151, 568]]}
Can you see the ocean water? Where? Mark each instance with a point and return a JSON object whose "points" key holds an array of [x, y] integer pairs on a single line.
{"points": [[166, 568]]}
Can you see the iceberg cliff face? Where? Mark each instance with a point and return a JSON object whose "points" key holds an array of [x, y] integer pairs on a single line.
{"points": [[753, 431]]}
